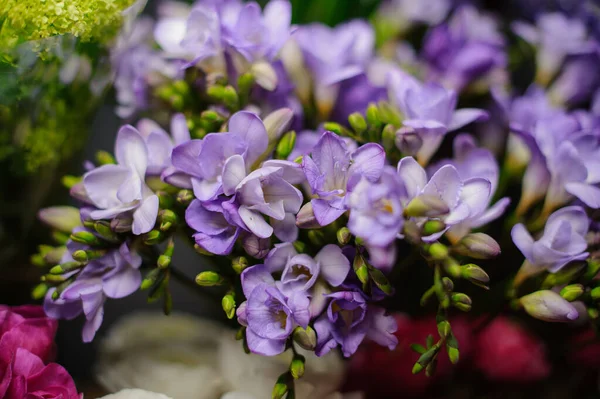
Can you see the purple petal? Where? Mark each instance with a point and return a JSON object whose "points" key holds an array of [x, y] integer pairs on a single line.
{"points": [[131, 189], [220, 244], [474, 197], [492, 213], [332, 158], [588, 194], [255, 222], [464, 116], [255, 276], [522, 240], [144, 217], [325, 212], [334, 265], [206, 190], [367, 161], [102, 185], [264, 346], [130, 150], [279, 256], [159, 151], [92, 325], [292, 171], [298, 303], [285, 229], [204, 221], [179, 129], [382, 328], [185, 157], [252, 130], [234, 172], [446, 184], [412, 175], [123, 283]]}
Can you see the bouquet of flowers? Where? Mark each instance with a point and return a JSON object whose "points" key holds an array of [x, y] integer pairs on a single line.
{"points": [[327, 176]]}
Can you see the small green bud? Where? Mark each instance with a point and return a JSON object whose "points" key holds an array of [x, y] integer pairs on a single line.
{"points": [[432, 226], [153, 237], [297, 366], [343, 236], [299, 246], [209, 279], [167, 215], [381, 280], [438, 251], [165, 200], [592, 270], [67, 267], [447, 284], [105, 158], [547, 305], [361, 269], [358, 122], [593, 313], [85, 237], [478, 246], [388, 114], [69, 181], [39, 291], [452, 267], [230, 97], [105, 231], [60, 238], [595, 293], [372, 115], [61, 218], [305, 338], [239, 264], [426, 206], [245, 83], [286, 145], [452, 348], [37, 260], [475, 274], [336, 128], [444, 329], [281, 386], [228, 304], [185, 197], [163, 261], [151, 278], [53, 278], [316, 237], [425, 359], [573, 292], [388, 138], [461, 301]]}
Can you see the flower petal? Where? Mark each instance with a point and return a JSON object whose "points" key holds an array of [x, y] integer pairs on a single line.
{"points": [[255, 222], [334, 264], [464, 116], [144, 217], [131, 150], [249, 126], [234, 172]]}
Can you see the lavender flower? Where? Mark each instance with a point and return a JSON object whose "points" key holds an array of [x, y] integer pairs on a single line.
{"points": [[332, 172], [349, 319], [217, 224], [430, 110], [115, 275], [563, 240], [568, 88], [469, 47], [466, 200], [269, 314], [473, 162], [121, 189]]}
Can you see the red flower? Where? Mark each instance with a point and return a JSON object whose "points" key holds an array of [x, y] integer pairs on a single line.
{"points": [[585, 350], [378, 371], [25, 335], [505, 352], [31, 327]]}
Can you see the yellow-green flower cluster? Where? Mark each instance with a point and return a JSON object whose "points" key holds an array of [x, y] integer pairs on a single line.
{"points": [[25, 20]]}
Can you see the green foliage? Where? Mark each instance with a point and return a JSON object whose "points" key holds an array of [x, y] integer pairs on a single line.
{"points": [[330, 12]]}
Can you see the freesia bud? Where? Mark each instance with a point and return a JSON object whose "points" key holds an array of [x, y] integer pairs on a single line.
{"points": [[343, 236], [372, 114], [85, 237], [153, 237], [256, 247], [361, 269], [265, 75], [151, 278], [239, 264], [548, 306], [388, 137], [438, 251], [478, 246], [358, 122], [426, 205], [78, 192], [305, 338], [281, 386], [425, 359], [286, 145], [39, 291], [297, 366], [105, 231], [184, 197], [572, 292], [163, 261], [61, 218], [277, 122], [70, 181], [461, 301], [595, 293], [474, 273], [228, 304], [121, 224], [105, 158], [209, 279], [306, 217], [408, 141], [432, 226]]}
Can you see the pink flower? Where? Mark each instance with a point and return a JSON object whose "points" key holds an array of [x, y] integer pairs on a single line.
{"points": [[378, 371], [31, 328], [505, 352], [24, 334]]}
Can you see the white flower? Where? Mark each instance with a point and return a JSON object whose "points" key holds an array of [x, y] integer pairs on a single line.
{"points": [[135, 394]]}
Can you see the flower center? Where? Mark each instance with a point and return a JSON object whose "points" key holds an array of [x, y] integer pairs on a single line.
{"points": [[301, 270]]}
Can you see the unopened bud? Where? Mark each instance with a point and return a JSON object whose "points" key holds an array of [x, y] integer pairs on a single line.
{"points": [[361, 269], [286, 145], [388, 137], [228, 304], [277, 122], [54, 255], [256, 247], [121, 224], [447, 284], [167, 215], [239, 264], [444, 328], [380, 280], [336, 128], [372, 115], [163, 261], [209, 279], [39, 291], [592, 270], [105, 158], [595, 293], [305, 338], [572, 292], [461, 301], [69, 181], [184, 197], [80, 256], [343, 236], [478, 246], [452, 348], [425, 359], [549, 306], [297, 366], [432, 227], [358, 122], [245, 83], [408, 141], [281, 387], [153, 237], [151, 278], [426, 206], [85, 237], [61, 218], [305, 219], [474, 273], [438, 251], [105, 231]]}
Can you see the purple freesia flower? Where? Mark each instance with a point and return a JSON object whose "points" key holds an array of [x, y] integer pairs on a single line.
{"points": [[115, 275], [563, 240], [348, 320], [332, 172], [471, 162], [269, 314], [466, 200], [467, 48], [555, 35], [430, 110], [568, 88], [300, 271], [119, 189], [217, 224], [204, 159], [376, 209]]}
